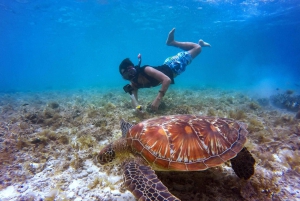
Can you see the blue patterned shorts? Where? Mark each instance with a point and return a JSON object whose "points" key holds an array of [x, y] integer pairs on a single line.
{"points": [[179, 62]]}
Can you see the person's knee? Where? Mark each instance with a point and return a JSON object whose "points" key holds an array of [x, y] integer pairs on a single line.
{"points": [[198, 49], [195, 51]]}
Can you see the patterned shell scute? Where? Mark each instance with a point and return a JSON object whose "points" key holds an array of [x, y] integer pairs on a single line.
{"points": [[187, 142]]}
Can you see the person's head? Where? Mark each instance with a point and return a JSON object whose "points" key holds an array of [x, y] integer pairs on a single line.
{"points": [[127, 69]]}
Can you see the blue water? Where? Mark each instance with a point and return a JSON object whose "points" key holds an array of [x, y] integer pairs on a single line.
{"points": [[52, 44]]}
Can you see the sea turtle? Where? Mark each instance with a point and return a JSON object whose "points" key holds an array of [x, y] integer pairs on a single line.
{"points": [[177, 143]]}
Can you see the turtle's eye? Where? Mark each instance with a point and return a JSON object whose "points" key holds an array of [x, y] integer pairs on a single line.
{"points": [[106, 155]]}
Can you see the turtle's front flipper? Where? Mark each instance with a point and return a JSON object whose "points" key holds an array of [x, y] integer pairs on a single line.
{"points": [[142, 181], [243, 164]]}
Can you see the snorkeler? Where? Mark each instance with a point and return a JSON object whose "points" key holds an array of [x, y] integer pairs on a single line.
{"points": [[149, 76]]}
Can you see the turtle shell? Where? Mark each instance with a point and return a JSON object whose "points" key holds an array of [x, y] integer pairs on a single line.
{"points": [[187, 142]]}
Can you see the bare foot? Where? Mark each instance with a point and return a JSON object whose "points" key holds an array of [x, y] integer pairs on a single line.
{"points": [[204, 44], [170, 38]]}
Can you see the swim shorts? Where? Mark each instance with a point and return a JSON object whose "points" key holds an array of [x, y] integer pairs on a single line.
{"points": [[179, 62]]}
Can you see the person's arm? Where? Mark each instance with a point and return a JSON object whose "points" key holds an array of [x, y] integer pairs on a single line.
{"points": [[135, 93], [165, 83], [134, 99]]}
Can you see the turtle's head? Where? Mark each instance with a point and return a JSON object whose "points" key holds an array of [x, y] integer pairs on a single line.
{"points": [[106, 155]]}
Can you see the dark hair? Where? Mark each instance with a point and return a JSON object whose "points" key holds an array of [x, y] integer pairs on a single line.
{"points": [[124, 64]]}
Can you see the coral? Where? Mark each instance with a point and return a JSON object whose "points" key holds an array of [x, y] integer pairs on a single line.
{"points": [[287, 101], [23, 125], [230, 100], [237, 114], [48, 113], [109, 96], [260, 188], [101, 123], [293, 160], [211, 112], [264, 184], [21, 143], [96, 181], [265, 159], [76, 113], [183, 109], [289, 92], [91, 113], [263, 101], [188, 92], [66, 130], [284, 120], [84, 142], [47, 117], [51, 117], [28, 198], [51, 195], [7, 108], [6, 156], [34, 117], [63, 139], [34, 167], [46, 135], [296, 129], [53, 105], [109, 106], [262, 136], [162, 107], [254, 106], [77, 162], [297, 116], [255, 125]]}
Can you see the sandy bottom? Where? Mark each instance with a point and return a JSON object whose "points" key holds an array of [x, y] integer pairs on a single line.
{"points": [[49, 142]]}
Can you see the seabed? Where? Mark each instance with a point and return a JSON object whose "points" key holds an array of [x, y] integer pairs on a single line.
{"points": [[49, 142]]}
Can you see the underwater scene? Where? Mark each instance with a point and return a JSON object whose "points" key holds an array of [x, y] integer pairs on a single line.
{"points": [[64, 97]]}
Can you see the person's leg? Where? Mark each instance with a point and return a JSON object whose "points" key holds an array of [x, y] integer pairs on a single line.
{"points": [[193, 48]]}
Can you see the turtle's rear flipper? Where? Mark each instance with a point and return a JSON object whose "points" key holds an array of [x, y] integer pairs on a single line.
{"points": [[243, 164], [142, 181]]}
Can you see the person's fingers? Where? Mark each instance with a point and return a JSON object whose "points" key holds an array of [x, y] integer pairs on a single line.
{"points": [[153, 107]]}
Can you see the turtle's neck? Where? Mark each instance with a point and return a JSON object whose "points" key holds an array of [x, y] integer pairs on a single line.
{"points": [[120, 146]]}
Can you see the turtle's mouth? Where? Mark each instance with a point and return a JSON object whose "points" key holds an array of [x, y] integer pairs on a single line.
{"points": [[106, 155], [101, 160]]}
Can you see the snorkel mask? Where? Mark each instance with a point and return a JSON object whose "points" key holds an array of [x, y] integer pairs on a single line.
{"points": [[129, 73], [128, 70]]}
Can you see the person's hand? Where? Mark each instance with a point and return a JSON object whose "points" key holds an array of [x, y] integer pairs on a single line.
{"points": [[155, 103], [139, 112]]}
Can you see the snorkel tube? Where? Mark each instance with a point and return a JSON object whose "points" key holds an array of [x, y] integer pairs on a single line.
{"points": [[140, 59]]}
